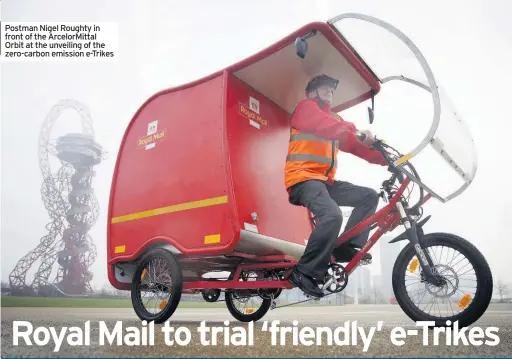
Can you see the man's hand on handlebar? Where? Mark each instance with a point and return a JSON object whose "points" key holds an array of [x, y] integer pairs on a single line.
{"points": [[377, 145], [378, 154], [366, 137]]}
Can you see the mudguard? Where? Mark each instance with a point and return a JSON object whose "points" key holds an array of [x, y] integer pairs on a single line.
{"points": [[419, 228]]}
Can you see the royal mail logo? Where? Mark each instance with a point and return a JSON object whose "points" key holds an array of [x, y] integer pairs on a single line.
{"points": [[152, 127], [153, 136], [247, 112], [254, 105]]}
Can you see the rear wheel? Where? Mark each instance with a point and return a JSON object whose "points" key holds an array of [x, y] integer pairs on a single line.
{"points": [[211, 295], [247, 306], [467, 282], [157, 286]]}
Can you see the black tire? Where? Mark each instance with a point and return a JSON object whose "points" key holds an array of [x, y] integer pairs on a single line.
{"points": [[483, 273], [176, 286], [257, 315]]}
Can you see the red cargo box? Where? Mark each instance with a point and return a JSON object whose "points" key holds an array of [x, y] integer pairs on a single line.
{"points": [[201, 166]]}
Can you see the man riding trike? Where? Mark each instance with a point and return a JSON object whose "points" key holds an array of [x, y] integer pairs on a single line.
{"points": [[317, 134]]}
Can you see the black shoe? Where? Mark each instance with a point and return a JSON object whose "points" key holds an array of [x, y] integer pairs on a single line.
{"points": [[346, 252], [306, 284]]}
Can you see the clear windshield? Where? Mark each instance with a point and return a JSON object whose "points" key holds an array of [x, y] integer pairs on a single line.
{"points": [[383, 52], [412, 112]]}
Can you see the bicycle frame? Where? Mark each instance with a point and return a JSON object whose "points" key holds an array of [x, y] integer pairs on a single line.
{"points": [[387, 219]]}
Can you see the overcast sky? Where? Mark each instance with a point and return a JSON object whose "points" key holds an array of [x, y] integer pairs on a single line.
{"points": [[468, 45]]}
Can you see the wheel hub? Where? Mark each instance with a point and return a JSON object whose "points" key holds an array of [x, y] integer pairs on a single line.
{"points": [[449, 282], [211, 295], [270, 293]]}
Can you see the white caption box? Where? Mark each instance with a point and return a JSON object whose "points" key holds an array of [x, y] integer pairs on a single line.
{"points": [[59, 41]]}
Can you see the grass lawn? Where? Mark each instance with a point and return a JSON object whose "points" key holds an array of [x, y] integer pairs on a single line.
{"points": [[11, 301]]}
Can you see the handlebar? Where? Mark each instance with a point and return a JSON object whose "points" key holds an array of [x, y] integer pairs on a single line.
{"points": [[380, 146]]}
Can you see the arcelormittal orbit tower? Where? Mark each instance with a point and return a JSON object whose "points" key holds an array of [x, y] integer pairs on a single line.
{"points": [[66, 249]]}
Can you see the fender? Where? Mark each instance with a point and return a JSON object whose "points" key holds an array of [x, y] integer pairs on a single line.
{"points": [[419, 228]]}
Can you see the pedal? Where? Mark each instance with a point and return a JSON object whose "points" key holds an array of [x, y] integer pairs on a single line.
{"points": [[273, 305], [336, 279]]}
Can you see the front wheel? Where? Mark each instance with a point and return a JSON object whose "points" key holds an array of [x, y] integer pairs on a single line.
{"points": [[467, 282]]}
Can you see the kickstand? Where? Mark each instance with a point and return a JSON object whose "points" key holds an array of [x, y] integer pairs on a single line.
{"points": [[289, 304], [299, 302]]}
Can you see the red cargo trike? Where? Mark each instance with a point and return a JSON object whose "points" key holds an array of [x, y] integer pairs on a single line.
{"points": [[198, 189]]}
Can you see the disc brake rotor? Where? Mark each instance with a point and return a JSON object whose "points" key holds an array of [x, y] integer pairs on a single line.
{"points": [[450, 278]]}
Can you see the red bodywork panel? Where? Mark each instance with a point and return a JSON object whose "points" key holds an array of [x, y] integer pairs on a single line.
{"points": [[257, 159], [204, 148], [188, 164]]}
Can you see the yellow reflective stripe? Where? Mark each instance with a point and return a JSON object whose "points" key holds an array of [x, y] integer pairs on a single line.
{"points": [[170, 209], [311, 137], [314, 158], [404, 158], [308, 136]]}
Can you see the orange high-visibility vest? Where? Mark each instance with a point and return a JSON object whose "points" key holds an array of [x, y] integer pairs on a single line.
{"points": [[310, 157]]}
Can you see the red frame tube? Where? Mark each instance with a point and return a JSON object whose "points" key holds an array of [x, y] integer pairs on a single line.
{"points": [[233, 284], [386, 218]]}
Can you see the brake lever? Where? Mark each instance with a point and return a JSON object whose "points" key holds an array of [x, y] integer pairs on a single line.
{"points": [[399, 175], [378, 145]]}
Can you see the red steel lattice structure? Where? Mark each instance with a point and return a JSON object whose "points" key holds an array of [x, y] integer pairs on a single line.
{"points": [[72, 207]]}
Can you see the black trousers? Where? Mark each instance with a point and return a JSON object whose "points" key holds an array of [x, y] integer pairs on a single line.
{"points": [[324, 202]]}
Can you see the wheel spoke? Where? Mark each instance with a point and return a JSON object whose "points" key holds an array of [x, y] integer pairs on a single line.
{"points": [[247, 304], [155, 296], [447, 265]]}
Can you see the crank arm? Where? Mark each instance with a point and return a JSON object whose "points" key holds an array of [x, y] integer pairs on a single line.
{"points": [[327, 284]]}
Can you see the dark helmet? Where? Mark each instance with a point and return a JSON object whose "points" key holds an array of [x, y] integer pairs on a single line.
{"points": [[321, 80]]}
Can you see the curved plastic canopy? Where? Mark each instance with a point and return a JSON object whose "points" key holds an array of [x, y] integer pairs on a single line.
{"points": [[454, 145]]}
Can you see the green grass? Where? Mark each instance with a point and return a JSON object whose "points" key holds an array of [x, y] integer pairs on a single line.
{"points": [[8, 301]]}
